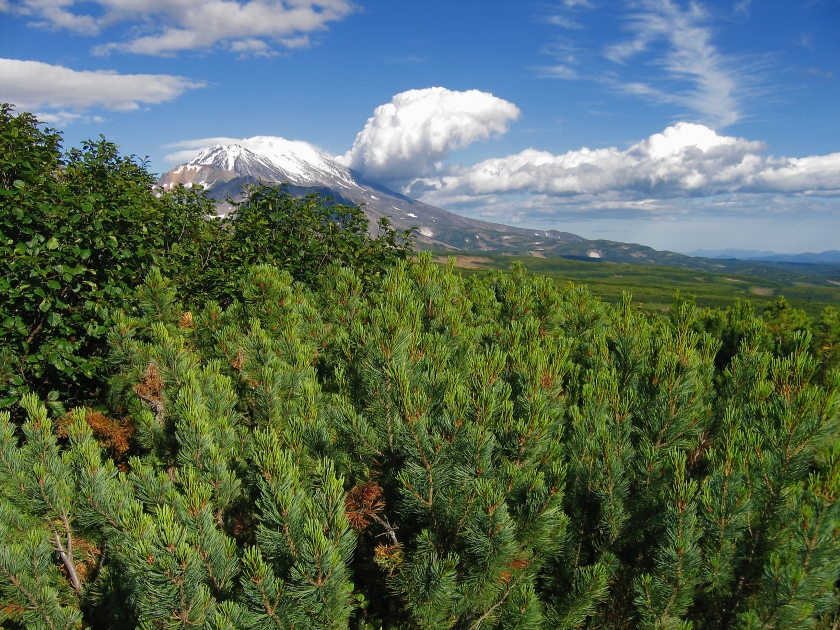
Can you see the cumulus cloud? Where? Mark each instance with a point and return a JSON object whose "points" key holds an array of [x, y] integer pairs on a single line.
{"points": [[412, 134], [696, 74], [252, 47], [777, 221], [685, 160], [33, 85], [166, 27]]}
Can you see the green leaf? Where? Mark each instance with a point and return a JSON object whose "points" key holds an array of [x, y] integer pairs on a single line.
{"points": [[8, 401]]}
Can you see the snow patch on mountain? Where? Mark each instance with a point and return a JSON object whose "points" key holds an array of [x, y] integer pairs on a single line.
{"points": [[230, 157], [299, 162]]}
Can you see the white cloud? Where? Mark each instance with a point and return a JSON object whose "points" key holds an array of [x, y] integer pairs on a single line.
{"points": [[759, 221], [689, 57], [34, 85], [166, 27], [63, 118], [742, 7], [409, 136], [559, 20], [685, 160], [559, 71], [252, 47]]}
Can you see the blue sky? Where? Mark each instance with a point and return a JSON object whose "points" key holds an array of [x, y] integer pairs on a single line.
{"points": [[708, 124]]}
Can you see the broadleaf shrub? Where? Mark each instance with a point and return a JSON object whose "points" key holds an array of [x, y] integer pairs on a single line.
{"points": [[77, 234], [79, 230]]}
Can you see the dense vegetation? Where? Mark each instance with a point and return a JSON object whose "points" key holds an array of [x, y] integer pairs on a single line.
{"points": [[372, 442], [80, 229], [810, 288]]}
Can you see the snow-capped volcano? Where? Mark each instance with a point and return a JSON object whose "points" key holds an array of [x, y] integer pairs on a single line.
{"points": [[268, 159], [302, 163], [273, 159], [225, 168], [293, 162], [231, 157], [220, 164]]}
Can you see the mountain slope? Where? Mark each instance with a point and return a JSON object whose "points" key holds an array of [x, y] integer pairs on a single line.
{"points": [[224, 169]]}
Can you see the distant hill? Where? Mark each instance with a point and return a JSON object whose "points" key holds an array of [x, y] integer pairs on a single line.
{"points": [[740, 254], [830, 256]]}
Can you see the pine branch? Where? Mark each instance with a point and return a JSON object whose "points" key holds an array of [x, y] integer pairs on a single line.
{"points": [[492, 609], [66, 554], [34, 604]]}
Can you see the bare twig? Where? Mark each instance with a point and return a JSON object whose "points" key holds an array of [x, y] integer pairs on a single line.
{"points": [[392, 535], [37, 330], [66, 555], [156, 405]]}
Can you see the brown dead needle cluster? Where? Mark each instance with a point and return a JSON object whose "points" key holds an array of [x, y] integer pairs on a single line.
{"points": [[363, 504], [115, 435], [150, 390], [151, 386]]}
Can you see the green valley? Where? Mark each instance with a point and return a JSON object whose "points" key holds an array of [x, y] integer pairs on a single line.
{"points": [[809, 287]]}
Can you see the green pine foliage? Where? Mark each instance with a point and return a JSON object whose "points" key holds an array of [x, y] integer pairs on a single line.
{"points": [[430, 452]]}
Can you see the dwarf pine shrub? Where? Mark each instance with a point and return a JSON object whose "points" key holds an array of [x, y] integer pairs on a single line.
{"points": [[439, 452]]}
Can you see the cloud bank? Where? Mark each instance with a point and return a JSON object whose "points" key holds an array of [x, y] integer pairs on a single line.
{"points": [[686, 172], [407, 137], [165, 27], [33, 85], [685, 160]]}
